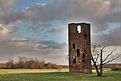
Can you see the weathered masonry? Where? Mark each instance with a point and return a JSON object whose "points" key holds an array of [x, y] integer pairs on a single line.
{"points": [[79, 47]]}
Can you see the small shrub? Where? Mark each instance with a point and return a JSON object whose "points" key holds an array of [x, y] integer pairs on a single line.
{"points": [[116, 69]]}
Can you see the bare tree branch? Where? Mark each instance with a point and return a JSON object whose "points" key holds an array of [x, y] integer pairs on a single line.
{"points": [[99, 53], [109, 55], [91, 57], [103, 48], [112, 59], [97, 57]]}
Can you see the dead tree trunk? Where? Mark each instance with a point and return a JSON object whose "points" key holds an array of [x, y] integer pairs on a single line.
{"points": [[96, 67], [101, 64]]}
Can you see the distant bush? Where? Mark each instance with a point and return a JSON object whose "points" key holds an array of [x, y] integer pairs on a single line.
{"points": [[7, 67], [116, 69]]}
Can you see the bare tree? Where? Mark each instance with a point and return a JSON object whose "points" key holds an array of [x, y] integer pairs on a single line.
{"points": [[10, 63], [98, 57]]}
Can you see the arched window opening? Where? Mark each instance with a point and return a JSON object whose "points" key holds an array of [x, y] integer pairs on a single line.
{"points": [[79, 29]]}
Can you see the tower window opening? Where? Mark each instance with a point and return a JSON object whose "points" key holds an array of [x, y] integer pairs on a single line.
{"points": [[84, 55], [74, 46], [79, 29], [78, 52]]}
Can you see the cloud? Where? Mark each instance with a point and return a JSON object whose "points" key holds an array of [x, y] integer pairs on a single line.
{"points": [[7, 3], [53, 44], [63, 10], [69, 9], [12, 17], [100, 13], [49, 50], [95, 11], [58, 29], [4, 30], [113, 38]]}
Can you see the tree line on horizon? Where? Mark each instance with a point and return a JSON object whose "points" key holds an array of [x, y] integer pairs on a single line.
{"points": [[29, 63]]}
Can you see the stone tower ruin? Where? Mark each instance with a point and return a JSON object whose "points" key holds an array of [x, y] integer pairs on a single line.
{"points": [[79, 47]]}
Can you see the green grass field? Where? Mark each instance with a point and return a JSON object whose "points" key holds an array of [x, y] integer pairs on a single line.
{"points": [[53, 75]]}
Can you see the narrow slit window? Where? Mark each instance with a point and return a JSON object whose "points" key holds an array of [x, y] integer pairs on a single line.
{"points": [[74, 46], [78, 52]]}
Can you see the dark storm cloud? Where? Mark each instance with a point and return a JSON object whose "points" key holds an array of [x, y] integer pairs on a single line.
{"points": [[53, 44], [12, 17], [114, 17], [113, 38]]}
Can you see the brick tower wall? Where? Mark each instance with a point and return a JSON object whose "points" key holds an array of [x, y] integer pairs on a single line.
{"points": [[79, 48]]}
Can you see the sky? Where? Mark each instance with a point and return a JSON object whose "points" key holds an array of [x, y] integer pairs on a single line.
{"points": [[38, 28]]}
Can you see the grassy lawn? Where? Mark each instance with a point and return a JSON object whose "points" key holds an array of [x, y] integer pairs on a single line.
{"points": [[54, 75]]}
